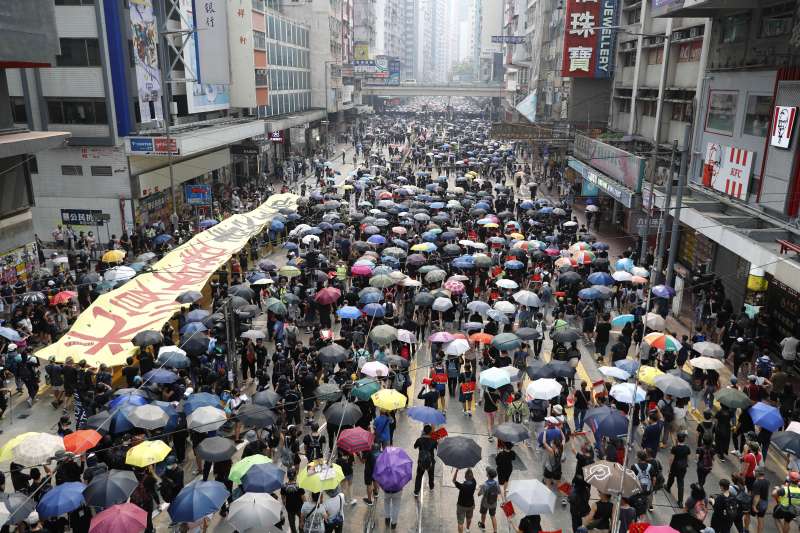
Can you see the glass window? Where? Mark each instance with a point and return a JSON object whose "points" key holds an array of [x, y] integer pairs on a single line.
{"points": [[721, 113], [78, 53], [20, 116], [776, 20], [756, 119], [271, 27], [74, 2], [282, 34], [55, 115], [734, 29]]}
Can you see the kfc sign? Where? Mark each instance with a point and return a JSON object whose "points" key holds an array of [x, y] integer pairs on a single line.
{"points": [[782, 126], [727, 169], [589, 38]]}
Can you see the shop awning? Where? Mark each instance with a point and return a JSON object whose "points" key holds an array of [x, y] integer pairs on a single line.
{"points": [[604, 183], [103, 332]]}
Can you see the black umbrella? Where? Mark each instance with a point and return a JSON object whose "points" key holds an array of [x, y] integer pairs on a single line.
{"points": [[686, 523], [561, 369], [248, 311], [342, 413], [787, 441], [332, 354], [89, 277], [196, 345], [238, 302], [329, 392], [266, 398], [395, 360], [148, 337], [189, 297], [216, 449], [110, 488], [242, 291], [528, 334], [256, 415], [511, 432], [212, 319], [565, 335], [34, 298], [459, 452], [424, 299]]}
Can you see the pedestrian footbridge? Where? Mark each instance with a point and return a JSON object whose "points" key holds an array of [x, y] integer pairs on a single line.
{"points": [[453, 89]]}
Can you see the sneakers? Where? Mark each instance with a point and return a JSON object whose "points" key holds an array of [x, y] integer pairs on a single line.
{"points": [[416, 494], [481, 525], [367, 501]]}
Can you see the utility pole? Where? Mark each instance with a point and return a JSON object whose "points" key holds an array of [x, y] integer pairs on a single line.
{"points": [[676, 217], [662, 236]]}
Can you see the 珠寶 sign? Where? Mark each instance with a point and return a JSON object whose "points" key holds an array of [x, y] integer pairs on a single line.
{"points": [[589, 38]]}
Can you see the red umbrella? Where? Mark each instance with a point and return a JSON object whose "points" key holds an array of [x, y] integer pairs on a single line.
{"points": [[122, 518], [355, 440], [63, 297], [81, 441], [328, 295]]}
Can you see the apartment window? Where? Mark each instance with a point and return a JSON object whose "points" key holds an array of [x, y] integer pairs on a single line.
{"points": [[776, 20], [18, 112], [655, 56], [756, 119], [632, 16], [72, 170], [79, 53], [682, 112], [734, 29], [649, 108], [74, 2], [259, 40], [628, 59], [271, 27], [76, 111], [102, 170], [261, 77], [624, 105], [721, 113], [258, 4]]}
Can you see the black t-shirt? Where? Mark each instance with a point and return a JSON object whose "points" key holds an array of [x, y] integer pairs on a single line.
{"points": [[582, 399], [760, 488], [293, 496], [466, 492], [130, 372], [531, 524], [602, 330], [505, 461], [681, 453], [490, 400]]}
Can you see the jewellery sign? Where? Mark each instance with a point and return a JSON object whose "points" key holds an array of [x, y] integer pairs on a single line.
{"points": [[589, 38]]}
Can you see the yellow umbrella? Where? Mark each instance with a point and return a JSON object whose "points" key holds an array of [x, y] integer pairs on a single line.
{"points": [[389, 400], [491, 225], [419, 248], [518, 236], [147, 453], [6, 452], [648, 374], [114, 256], [319, 476]]}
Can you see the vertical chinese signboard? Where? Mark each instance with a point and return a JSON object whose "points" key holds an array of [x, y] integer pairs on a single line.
{"points": [[589, 38], [145, 55], [211, 21]]}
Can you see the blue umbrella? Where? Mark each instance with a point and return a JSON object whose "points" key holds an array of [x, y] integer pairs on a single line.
{"points": [[207, 223], [766, 416], [374, 310], [527, 204], [290, 245], [10, 334], [197, 499], [426, 415], [61, 499], [161, 376], [200, 399], [611, 424], [600, 278], [377, 239], [370, 297], [350, 312], [190, 328], [325, 226], [628, 365], [255, 276], [132, 400], [464, 262], [264, 477], [138, 266], [161, 239], [626, 263], [621, 320], [663, 291], [196, 315], [546, 210], [482, 205], [430, 236], [472, 326], [390, 261], [588, 294], [276, 225], [513, 265], [437, 205], [600, 246]]}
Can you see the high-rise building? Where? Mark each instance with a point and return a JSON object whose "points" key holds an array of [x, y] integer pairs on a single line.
{"points": [[389, 20], [409, 60]]}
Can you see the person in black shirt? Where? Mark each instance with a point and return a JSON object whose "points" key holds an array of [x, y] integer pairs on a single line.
{"points": [[679, 464], [601, 338], [130, 371], [292, 497], [721, 520], [146, 362], [430, 396], [426, 461], [530, 524], [465, 505]]}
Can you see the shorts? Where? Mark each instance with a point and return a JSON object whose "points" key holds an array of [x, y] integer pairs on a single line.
{"points": [[463, 513], [491, 510], [781, 514], [554, 475], [56, 388]]}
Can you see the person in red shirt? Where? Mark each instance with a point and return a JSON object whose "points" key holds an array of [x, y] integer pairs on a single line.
{"points": [[750, 460]]}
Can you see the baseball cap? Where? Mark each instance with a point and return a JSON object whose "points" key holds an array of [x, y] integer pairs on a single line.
{"points": [[557, 409]]}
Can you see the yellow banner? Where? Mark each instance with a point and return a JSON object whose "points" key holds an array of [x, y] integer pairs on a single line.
{"points": [[103, 332]]}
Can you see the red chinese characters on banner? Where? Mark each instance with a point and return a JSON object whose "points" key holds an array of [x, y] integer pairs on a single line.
{"points": [[581, 32]]}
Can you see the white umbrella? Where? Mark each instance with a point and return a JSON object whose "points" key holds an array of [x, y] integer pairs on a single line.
{"points": [[308, 239], [614, 372], [61, 260], [408, 282], [794, 427], [375, 369], [531, 497], [706, 363], [403, 335], [441, 304], [592, 208], [527, 298], [543, 389], [654, 321], [505, 307], [621, 275], [639, 271], [37, 449], [254, 511], [206, 418], [119, 273], [506, 283], [253, 334], [458, 277], [148, 417], [262, 281], [709, 349], [477, 306], [456, 347], [628, 393]]}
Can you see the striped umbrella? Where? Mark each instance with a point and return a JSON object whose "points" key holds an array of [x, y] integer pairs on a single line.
{"points": [[355, 440]]}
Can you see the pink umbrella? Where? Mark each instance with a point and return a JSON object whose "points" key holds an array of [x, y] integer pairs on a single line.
{"points": [[552, 252], [400, 230], [361, 270], [441, 336], [122, 518], [328, 295], [660, 529], [456, 287]]}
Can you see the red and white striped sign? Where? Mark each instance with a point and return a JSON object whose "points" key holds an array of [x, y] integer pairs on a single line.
{"points": [[782, 126], [731, 172]]}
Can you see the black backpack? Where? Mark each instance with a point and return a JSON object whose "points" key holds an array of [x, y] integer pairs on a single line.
{"points": [[667, 412], [730, 507], [425, 459]]}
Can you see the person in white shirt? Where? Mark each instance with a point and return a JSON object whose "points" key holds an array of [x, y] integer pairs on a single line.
{"points": [[789, 348]]}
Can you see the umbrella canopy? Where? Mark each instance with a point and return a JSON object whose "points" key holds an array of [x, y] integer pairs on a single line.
{"points": [[81, 441], [506, 341], [511, 432], [673, 385], [256, 415], [389, 400], [196, 500], [123, 518], [709, 349], [628, 393], [110, 488], [706, 363], [263, 477], [393, 469], [61, 499], [733, 398], [37, 449], [147, 453], [607, 422], [662, 341], [254, 511], [614, 372], [383, 334], [215, 449], [787, 441], [266, 398], [343, 413], [148, 337], [459, 452], [148, 417], [426, 415], [494, 378], [531, 497], [242, 467], [609, 477], [565, 335], [319, 476], [355, 440], [206, 418], [375, 369], [19, 506], [766, 416], [543, 389]]}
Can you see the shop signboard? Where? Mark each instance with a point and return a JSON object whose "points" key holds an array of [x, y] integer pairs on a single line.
{"points": [[361, 51], [508, 39], [727, 169], [276, 136], [211, 41], [610, 187], [527, 107], [587, 188], [589, 38], [622, 166], [782, 126], [82, 217], [364, 66], [239, 149], [197, 194], [381, 68], [145, 57], [151, 146]]}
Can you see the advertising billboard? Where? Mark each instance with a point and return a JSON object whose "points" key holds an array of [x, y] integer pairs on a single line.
{"points": [[394, 72], [622, 166], [727, 169], [198, 194], [589, 39], [361, 51], [200, 97], [145, 56], [211, 40], [240, 42], [527, 107]]}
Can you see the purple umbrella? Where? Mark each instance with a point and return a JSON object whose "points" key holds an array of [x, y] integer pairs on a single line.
{"points": [[392, 469], [663, 291]]}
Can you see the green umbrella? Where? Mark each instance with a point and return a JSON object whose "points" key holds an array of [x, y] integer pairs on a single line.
{"points": [[427, 268], [424, 299], [435, 276], [289, 271], [381, 281], [383, 334], [733, 398], [241, 467], [364, 388], [276, 306]]}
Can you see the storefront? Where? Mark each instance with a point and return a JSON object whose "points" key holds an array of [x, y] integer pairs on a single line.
{"points": [[18, 263], [615, 200], [781, 311]]}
